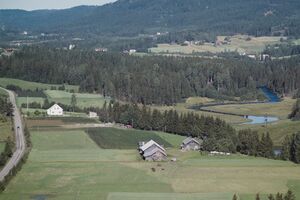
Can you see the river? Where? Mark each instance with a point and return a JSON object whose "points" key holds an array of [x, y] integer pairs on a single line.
{"points": [[273, 98]]}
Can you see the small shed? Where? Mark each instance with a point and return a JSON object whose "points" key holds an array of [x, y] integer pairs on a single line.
{"points": [[190, 143], [93, 115]]}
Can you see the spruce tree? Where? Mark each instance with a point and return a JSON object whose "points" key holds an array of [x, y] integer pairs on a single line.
{"points": [[271, 197], [234, 197], [289, 196], [286, 148]]}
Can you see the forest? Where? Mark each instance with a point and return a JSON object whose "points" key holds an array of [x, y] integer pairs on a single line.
{"points": [[153, 79], [200, 18]]}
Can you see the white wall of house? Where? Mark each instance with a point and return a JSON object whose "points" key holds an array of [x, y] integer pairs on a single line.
{"points": [[55, 110]]}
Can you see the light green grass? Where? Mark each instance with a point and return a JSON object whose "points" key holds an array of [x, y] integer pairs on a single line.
{"points": [[67, 165], [23, 100], [238, 43], [26, 85], [83, 99], [169, 196]]}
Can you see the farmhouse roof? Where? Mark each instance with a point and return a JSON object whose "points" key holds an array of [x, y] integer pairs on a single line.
{"points": [[190, 139], [149, 144], [153, 151], [55, 106]]}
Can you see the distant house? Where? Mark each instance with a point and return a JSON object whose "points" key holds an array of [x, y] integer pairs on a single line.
{"points": [[191, 144], [93, 115], [101, 49], [151, 151], [132, 51], [55, 110], [265, 57], [251, 56]]}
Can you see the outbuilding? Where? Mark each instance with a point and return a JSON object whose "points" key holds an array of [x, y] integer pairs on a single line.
{"points": [[190, 143]]}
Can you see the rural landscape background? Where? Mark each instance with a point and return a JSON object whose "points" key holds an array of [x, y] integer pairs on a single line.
{"points": [[224, 72]]}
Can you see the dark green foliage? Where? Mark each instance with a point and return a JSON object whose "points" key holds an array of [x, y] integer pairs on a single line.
{"points": [[218, 135], [133, 17], [291, 148], [295, 115], [286, 148], [248, 142], [281, 50], [251, 144], [7, 153], [35, 105], [271, 197], [295, 148], [234, 197], [257, 197], [111, 138], [6, 108], [152, 79], [26, 93], [73, 102]]}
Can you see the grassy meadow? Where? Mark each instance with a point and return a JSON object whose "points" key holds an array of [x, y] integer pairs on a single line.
{"points": [[83, 99], [239, 43], [68, 164], [27, 85]]}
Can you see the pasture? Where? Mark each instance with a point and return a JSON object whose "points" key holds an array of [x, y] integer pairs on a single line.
{"points": [[83, 99], [68, 164], [111, 138], [238, 43], [27, 85]]}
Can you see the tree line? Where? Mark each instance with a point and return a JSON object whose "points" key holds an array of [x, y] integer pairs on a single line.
{"points": [[289, 195], [152, 79], [216, 133], [291, 148]]}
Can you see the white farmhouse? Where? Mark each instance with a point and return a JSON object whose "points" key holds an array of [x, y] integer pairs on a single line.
{"points": [[55, 110]]}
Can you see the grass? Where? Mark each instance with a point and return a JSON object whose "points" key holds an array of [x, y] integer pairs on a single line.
{"points": [[83, 99], [5, 131], [238, 43], [112, 138], [27, 85], [69, 165], [23, 100], [281, 109]]}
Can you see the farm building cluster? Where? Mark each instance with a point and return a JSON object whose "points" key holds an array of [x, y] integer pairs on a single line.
{"points": [[152, 151]]}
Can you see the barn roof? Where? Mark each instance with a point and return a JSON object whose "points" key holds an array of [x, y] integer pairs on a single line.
{"points": [[190, 139], [149, 144], [153, 151]]}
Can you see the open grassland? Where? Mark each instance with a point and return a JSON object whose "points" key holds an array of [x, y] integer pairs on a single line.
{"points": [[281, 109], [26, 85], [112, 138], [83, 99], [5, 130], [278, 130], [184, 108], [239, 43], [25, 100], [69, 165]]}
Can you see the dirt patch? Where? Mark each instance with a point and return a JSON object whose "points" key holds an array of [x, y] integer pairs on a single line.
{"points": [[47, 123]]}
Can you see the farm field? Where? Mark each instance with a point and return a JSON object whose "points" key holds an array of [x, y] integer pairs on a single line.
{"points": [[68, 164], [27, 85], [83, 99], [239, 43]]}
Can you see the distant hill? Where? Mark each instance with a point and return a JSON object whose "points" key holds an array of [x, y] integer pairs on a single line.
{"points": [[132, 17]]}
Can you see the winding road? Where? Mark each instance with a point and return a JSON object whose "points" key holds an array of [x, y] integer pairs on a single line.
{"points": [[19, 136]]}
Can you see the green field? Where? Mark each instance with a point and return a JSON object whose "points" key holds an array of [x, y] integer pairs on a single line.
{"points": [[25, 100], [5, 130], [67, 164], [26, 85], [111, 138], [83, 99], [239, 43]]}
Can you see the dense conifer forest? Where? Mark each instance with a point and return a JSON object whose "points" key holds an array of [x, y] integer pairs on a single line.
{"points": [[152, 79]]}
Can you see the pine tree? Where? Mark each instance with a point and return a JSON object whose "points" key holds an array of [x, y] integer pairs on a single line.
{"points": [[289, 196], [295, 148], [286, 148], [271, 197], [234, 197], [279, 196], [257, 197], [73, 101]]}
